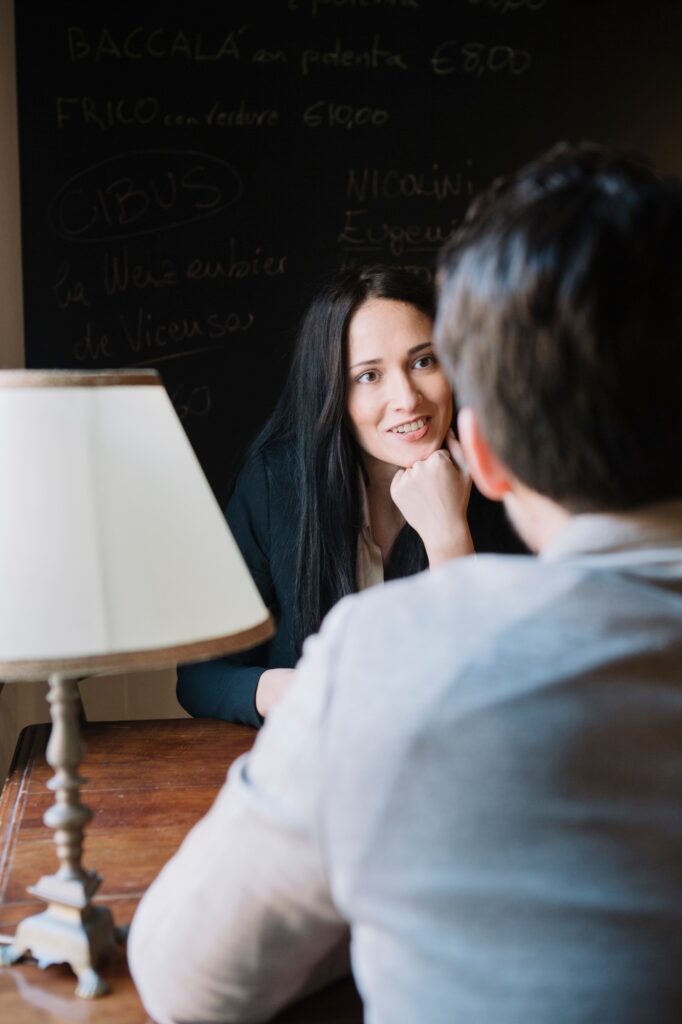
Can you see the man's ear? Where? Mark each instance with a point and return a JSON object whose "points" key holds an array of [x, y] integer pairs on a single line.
{"points": [[490, 475]]}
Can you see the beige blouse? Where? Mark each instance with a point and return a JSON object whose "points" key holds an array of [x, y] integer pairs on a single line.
{"points": [[369, 563]]}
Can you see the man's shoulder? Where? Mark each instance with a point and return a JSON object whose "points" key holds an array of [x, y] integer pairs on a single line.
{"points": [[476, 580], [481, 616], [420, 617]]}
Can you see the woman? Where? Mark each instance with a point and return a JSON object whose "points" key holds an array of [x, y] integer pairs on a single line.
{"points": [[347, 485]]}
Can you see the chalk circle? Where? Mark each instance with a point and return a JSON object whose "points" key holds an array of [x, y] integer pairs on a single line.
{"points": [[141, 193]]}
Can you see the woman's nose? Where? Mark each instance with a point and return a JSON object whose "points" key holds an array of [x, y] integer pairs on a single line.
{"points": [[405, 395]]}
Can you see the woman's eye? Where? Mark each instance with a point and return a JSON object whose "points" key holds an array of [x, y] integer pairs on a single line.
{"points": [[368, 377], [425, 361]]}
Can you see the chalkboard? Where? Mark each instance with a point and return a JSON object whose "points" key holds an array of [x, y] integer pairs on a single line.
{"points": [[190, 171]]}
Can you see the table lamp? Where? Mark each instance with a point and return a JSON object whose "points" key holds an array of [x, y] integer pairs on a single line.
{"points": [[114, 555]]}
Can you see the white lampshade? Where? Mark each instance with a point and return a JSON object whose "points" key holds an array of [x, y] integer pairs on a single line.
{"points": [[113, 550], [113, 555]]}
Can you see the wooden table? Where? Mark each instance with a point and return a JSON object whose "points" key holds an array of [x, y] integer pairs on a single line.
{"points": [[148, 783]]}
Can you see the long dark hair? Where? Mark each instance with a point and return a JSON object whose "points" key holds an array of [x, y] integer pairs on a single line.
{"points": [[311, 417]]}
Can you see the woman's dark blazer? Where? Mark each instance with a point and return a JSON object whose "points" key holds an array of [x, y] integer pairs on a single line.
{"points": [[262, 517]]}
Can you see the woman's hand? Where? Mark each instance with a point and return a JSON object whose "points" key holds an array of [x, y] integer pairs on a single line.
{"points": [[271, 687], [433, 496]]}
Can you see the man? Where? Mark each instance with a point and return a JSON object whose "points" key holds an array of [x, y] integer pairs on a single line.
{"points": [[503, 835]]}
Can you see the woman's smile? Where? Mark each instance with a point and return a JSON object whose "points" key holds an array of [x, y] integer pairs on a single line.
{"points": [[412, 431]]}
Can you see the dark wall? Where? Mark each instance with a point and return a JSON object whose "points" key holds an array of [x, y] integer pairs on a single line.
{"points": [[191, 170]]}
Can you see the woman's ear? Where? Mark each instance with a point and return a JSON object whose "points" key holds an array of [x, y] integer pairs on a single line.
{"points": [[490, 475]]}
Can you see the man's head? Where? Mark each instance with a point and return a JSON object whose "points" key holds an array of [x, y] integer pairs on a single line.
{"points": [[560, 325]]}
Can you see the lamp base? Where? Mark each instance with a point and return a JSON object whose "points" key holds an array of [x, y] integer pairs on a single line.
{"points": [[71, 930], [79, 936]]}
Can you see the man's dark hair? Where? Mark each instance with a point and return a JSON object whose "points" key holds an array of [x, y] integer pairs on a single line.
{"points": [[560, 324]]}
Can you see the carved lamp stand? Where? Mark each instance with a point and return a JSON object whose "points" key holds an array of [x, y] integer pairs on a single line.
{"points": [[128, 566], [71, 930]]}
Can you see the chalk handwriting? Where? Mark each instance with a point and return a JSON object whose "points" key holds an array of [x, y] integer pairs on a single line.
{"points": [[92, 346], [357, 235], [121, 274], [192, 401], [142, 334], [166, 357], [236, 265], [375, 58], [264, 56], [367, 183], [157, 43], [141, 193], [343, 115], [239, 116], [107, 114], [472, 58], [68, 292]]}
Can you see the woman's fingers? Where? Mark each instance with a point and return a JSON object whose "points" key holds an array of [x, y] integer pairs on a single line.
{"points": [[433, 496]]}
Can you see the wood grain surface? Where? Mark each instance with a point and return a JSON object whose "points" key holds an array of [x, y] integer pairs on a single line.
{"points": [[147, 783]]}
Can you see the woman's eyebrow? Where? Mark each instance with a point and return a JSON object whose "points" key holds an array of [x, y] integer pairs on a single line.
{"points": [[365, 362]]}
